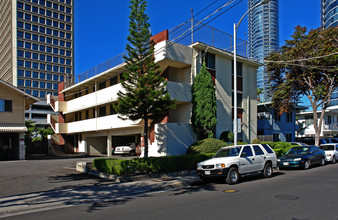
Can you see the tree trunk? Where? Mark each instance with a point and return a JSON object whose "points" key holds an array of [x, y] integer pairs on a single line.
{"points": [[145, 136]]}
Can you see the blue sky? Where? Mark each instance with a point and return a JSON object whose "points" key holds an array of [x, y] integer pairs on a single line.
{"points": [[101, 27]]}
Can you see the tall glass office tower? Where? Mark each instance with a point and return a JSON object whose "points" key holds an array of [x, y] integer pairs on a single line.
{"points": [[329, 18], [329, 13], [263, 37], [36, 45]]}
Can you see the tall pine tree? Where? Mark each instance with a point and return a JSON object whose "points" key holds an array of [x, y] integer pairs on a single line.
{"points": [[145, 95], [204, 107]]}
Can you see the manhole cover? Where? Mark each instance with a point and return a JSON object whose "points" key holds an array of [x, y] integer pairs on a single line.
{"points": [[230, 191], [286, 197]]}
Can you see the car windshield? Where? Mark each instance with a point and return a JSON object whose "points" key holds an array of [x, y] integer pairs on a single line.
{"points": [[228, 152], [299, 150], [327, 147]]}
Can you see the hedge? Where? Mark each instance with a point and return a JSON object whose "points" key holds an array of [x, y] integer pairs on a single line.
{"points": [[149, 165], [280, 147]]}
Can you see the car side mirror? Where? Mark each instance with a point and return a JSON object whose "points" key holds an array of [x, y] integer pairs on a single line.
{"points": [[243, 154]]}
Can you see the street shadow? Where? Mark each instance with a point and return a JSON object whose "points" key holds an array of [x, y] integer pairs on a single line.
{"points": [[98, 196]]}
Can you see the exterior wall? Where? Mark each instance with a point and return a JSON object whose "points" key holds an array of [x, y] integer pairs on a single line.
{"points": [[17, 116], [172, 139], [6, 32], [96, 145], [249, 123], [223, 95], [181, 114]]}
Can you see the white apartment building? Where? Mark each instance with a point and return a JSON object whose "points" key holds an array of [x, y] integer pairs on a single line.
{"points": [[329, 125], [88, 124]]}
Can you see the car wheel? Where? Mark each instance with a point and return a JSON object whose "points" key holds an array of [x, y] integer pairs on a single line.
{"points": [[322, 161], [232, 176], [334, 160], [306, 165], [132, 153], [267, 171]]}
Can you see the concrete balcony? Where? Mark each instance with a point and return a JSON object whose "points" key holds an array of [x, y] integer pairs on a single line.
{"points": [[179, 91], [178, 53], [57, 106], [330, 127], [95, 124]]}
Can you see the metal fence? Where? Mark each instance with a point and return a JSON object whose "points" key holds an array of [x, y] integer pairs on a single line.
{"points": [[182, 34]]}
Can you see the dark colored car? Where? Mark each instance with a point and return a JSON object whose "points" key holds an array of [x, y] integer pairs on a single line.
{"points": [[302, 157]]}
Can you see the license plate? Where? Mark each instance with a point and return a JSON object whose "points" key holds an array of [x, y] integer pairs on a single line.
{"points": [[286, 163], [207, 172]]}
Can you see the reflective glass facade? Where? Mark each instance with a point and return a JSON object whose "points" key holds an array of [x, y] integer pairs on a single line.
{"points": [[329, 13], [263, 37]]}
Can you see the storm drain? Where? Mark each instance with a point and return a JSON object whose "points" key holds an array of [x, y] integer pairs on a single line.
{"points": [[286, 197]]}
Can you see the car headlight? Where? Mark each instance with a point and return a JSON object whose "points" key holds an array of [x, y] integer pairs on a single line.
{"points": [[199, 166], [278, 160], [220, 165], [297, 159]]}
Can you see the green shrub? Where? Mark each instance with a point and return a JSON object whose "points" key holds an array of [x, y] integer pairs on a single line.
{"points": [[280, 147], [256, 141], [209, 145], [149, 165]]}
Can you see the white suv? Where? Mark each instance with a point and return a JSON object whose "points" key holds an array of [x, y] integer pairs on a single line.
{"points": [[331, 152], [234, 161]]}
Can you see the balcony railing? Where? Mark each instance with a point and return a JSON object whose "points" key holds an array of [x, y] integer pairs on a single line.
{"points": [[182, 35]]}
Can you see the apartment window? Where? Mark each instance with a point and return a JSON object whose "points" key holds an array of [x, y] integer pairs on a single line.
{"points": [[62, 52], [62, 43], [113, 81], [62, 17], [62, 8], [68, 10], [62, 69], [20, 53], [27, 35], [55, 86], [35, 65], [68, 53], [48, 22], [27, 7], [20, 5], [62, 60], [35, 75], [68, 2], [61, 78], [20, 72], [35, 47], [55, 24], [55, 33], [276, 116], [28, 17], [55, 68], [42, 11], [68, 44], [20, 15], [49, 40], [28, 83], [28, 64], [55, 6], [28, 91], [20, 34], [49, 76], [20, 24], [289, 117], [68, 61], [102, 111], [34, 18], [27, 26], [48, 13], [42, 66], [87, 114], [48, 49], [62, 34], [112, 110], [288, 137], [56, 77], [55, 15], [42, 30], [20, 43], [275, 137], [49, 58], [35, 84], [49, 85], [42, 39], [55, 42], [42, 94], [34, 8], [35, 56], [35, 37], [239, 99], [329, 119], [55, 50], [49, 67], [35, 93], [28, 73], [6, 105], [239, 67], [42, 76], [42, 85], [55, 59], [68, 18], [35, 28], [49, 4], [42, 2], [20, 63], [42, 48], [20, 82], [68, 36]]}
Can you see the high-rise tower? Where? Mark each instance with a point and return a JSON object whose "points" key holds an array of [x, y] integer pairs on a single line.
{"points": [[36, 45], [329, 13], [263, 37]]}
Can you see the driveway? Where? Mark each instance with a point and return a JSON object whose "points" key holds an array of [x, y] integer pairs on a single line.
{"points": [[41, 174]]}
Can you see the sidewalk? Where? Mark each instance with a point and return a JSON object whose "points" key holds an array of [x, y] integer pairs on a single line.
{"points": [[102, 192]]}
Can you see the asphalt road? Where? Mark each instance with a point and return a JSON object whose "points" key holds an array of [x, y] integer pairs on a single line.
{"points": [[41, 174], [291, 194]]}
